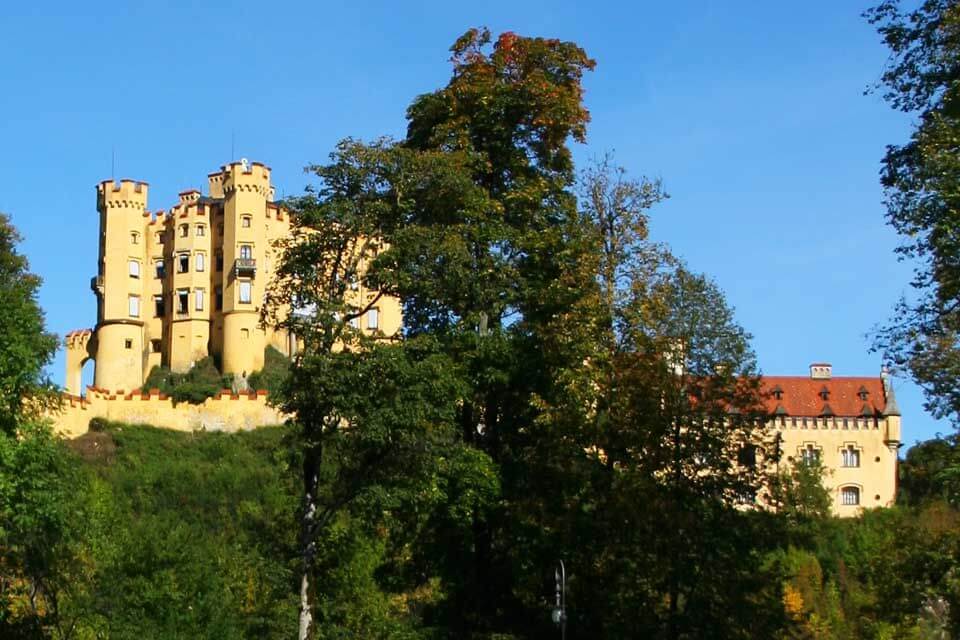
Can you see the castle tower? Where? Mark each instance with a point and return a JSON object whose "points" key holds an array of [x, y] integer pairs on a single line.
{"points": [[120, 355], [246, 191]]}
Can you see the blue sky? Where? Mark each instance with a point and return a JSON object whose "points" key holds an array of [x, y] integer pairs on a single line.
{"points": [[753, 114]]}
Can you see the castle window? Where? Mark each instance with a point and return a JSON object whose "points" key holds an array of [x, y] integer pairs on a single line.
{"points": [[246, 252], [244, 333], [158, 237], [133, 303], [850, 496], [128, 344], [155, 346], [159, 269], [246, 221], [218, 258], [850, 456], [200, 260], [184, 230], [747, 456], [218, 298], [134, 266], [134, 237], [198, 299], [810, 455], [183, 297], [863, 393], [158, 307], [825, 393], [373, 319], [183, 263], [246, 292], [201, 230]]}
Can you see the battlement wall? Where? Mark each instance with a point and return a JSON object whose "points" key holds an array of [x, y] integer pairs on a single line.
{"points": [[226, 411]]}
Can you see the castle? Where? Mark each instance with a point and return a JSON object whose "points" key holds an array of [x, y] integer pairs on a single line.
{"points": [[174, 287], [177, 286], [851, 425]]}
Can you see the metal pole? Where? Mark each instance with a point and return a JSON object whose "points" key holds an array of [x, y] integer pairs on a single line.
{"points": [[560, 612]]}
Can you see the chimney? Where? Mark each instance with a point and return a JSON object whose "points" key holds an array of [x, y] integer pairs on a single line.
{"points": [[821, 371]]}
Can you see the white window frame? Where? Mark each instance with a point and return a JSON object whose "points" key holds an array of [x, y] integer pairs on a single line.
{"points": [[159, 268], [248, 250], [245, 287], [850, 496], [134, 268], [180, 296], [373, 318], [246, 221], [198, 299], [201, 230], [133, 305], [850, 454], [199, 261]]}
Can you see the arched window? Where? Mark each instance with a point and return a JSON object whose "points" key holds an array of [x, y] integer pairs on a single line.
{"points": [[850, 456], [850, 496]]}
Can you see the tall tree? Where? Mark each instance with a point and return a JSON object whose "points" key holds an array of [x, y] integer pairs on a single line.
{"points": [[35, 481], [921, 179]]}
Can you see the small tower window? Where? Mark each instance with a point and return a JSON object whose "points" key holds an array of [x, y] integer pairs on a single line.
{"points": [[198, 299], [159, 268], [134, 237], [158, 237], [246, 221], [158, 307], [134, 266], [133, 302], [128, 344], [201, 230], [373, 319], [184, 230], [155, 346], [246, 292], [183, 297], [246, 251], [200, 261], [183, 263]]}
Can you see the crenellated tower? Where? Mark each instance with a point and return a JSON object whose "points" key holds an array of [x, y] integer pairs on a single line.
{"points": [[120, 354]]}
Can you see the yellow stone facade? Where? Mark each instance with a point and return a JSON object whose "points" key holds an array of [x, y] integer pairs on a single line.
{"points": [[176, 286]]}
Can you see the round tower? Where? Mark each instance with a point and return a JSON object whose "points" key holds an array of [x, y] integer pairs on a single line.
{"points": [[120, 354], [246, 191]]}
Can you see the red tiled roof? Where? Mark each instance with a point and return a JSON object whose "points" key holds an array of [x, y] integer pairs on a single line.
{"points": [[800, 395]]}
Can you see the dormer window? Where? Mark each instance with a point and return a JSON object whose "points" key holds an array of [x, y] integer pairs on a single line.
{"points": [[863, 393], [824, 394], [777, 392]]}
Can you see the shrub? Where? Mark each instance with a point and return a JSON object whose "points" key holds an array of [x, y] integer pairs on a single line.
{"points": [[201, 382], [276, 366]]}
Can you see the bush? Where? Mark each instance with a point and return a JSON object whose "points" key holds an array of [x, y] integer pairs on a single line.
{"points": [[195, 386], [276, 367]]}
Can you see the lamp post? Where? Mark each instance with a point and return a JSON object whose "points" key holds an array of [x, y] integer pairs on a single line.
{"points": [[559, 614]]}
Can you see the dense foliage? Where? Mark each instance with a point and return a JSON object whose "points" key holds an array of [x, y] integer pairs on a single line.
{"points": [[921, 179], [202, 381], [270, 378]]}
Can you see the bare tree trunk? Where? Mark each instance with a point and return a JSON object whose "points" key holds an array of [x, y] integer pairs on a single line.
{"points": [[308, 545]]}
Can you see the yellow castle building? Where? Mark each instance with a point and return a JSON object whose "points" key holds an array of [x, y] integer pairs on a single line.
{"points": [[176, 286]]}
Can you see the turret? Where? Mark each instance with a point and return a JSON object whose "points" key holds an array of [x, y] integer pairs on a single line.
{"points": [[119, 283]]}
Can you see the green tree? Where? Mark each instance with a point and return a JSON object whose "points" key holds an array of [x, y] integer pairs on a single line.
{"points": [[37, 509], [931, 471], [921, 179]]}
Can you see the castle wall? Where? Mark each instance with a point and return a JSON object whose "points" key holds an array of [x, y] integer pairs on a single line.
{"points": [[225, 412]]}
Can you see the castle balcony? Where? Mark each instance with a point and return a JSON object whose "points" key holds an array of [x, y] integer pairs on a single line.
{"points": [[245, 267], [96, 284]]}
